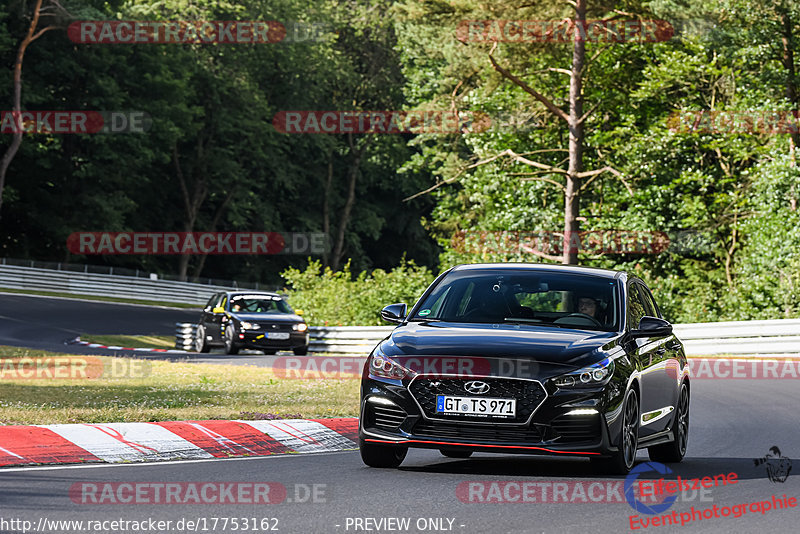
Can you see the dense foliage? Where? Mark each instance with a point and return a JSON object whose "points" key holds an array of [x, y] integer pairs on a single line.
{"points": [[726, 198]]}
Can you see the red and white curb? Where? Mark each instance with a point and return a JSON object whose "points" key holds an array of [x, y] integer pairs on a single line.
{"points": [[172, 440], [77, 341]]}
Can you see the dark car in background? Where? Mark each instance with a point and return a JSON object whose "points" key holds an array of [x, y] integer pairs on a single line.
{"points": [[254, 320], [528, 358]]}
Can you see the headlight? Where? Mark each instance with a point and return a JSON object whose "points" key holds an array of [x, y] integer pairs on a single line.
{"points": [[597, 374], [300, 327], [249, 326], [381, 366]]}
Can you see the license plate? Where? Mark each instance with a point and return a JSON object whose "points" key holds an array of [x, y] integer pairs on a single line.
{"points": [[278, 335], [476, 406]]}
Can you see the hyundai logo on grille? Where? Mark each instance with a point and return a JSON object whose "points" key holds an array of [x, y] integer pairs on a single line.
{"points": [[476, 387]]}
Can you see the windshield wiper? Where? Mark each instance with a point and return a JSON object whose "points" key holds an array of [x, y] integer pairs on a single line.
{"points": [[536, 322]]}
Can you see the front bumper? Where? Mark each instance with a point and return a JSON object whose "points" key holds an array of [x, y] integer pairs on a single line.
{"points": [[255, 339], [565, 423]]}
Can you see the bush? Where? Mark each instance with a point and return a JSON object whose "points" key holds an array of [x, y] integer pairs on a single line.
{"points": [[336, 299]]}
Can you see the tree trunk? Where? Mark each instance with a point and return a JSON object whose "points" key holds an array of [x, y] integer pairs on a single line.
{"points": [[787, 59], [576, 135], [326, 217], [213, 228], [191, 200], [11, 151], [338, 250]]}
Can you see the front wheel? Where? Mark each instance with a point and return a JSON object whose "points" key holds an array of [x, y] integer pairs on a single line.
{"points": [[200, 343], [622, 459], [230, 345], [675, 450], [301, 351], [384, 456]]}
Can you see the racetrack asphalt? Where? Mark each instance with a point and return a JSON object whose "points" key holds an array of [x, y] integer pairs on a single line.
{"points": [[48, 323], [733, 422]]}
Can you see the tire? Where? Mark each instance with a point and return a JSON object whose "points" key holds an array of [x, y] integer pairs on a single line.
{"points": [[200, 343], [230, 345], [675, 450], [270, 352], [455, 453], [382, 456], [622, 460], [301, 351]]}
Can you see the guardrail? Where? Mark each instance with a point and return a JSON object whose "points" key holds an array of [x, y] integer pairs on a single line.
{"points": [[34, 279], [779, 337]]}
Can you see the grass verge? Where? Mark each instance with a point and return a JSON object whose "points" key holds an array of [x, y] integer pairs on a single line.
{"points": [[161, 391], [101, 298]]}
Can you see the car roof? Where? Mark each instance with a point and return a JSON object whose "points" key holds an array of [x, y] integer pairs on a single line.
{"points": [[576, 269]]}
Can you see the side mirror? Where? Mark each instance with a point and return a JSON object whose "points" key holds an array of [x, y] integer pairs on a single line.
{"points": [[298, 312], [652, 327], [394, 313], [218, 309]]}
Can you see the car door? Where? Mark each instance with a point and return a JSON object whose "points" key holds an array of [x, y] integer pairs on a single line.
{"points": [[641, 351], [667, 363], [217, 320], [205, 317]]}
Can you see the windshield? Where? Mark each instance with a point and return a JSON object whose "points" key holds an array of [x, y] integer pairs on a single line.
{"points": [[558, 300], [259, 304]]}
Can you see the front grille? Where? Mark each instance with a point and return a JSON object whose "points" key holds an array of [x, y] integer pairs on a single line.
{"points": [[456, 432], [529, 395], [387, 417], [572, 428]]}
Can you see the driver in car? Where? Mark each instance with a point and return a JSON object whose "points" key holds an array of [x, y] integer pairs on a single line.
{"points": [[587, 306]]}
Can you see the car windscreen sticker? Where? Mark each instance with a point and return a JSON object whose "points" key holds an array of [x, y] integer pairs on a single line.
{"points": [[424, 312]]}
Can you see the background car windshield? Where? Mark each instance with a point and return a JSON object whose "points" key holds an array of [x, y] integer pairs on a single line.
{"points": [[259, 305], [539, 298]]}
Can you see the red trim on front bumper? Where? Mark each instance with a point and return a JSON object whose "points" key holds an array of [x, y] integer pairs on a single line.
{"points": [[480, 445]]}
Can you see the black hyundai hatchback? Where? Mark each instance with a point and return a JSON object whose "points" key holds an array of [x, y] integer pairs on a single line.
{"points": [[528, 358]]}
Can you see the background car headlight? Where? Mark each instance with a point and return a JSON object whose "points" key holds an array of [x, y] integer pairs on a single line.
{"points": [[597, 374], [300, 327], [381, 366], [249, 326]]}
